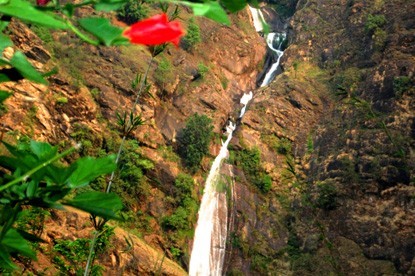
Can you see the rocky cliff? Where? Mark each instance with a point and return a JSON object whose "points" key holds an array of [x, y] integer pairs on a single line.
{"points": [[342, 200]]}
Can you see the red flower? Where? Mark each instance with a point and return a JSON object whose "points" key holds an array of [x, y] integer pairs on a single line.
{"points": [[154, 30], [42, 2]]}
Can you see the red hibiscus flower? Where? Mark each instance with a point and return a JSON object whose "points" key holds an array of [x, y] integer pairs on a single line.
{"points": [[42, 2], [155, 30]]}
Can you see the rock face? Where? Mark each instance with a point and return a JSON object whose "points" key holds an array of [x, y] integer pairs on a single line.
{"points": [[94, 84], [348, 193]]}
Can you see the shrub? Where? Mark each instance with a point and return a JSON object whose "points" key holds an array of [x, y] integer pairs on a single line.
{"points": [[177, 221], [379, 39], [374, 22], [184, 184], [202, 69], [401, 85], [250, 162], [164, 72], [194, 140], [133, 11], [327, 195], [192, 37]]}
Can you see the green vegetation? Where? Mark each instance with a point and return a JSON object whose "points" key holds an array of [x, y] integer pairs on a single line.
{"points": [[164, 72], [192, 37], [373, 27], [401, 85], [194, 140], [133, 11], [326, 196], [374, 22], [202, 70], [250, 162], [280, 145], [70, 256]]}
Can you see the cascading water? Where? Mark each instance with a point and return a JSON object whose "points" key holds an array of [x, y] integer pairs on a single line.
{"points": [[209, 242], [274, 39], [210, 235]]}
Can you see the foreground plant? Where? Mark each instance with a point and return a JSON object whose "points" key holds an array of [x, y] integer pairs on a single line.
{"points": [[33, 176]]}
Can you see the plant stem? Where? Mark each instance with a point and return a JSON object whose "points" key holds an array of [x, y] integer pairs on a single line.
{"points": [[117, 159], [132, 111], [80, 34], [32, 171], [91, 252]]}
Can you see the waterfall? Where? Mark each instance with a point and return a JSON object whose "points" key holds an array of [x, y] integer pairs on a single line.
{"points": [[272, 40], [209, 242]]}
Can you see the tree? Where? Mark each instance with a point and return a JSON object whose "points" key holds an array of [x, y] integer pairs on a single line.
{"points": [[192, 37], [194, 140]]}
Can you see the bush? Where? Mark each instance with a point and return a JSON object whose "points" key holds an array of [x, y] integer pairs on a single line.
{"points": [[401, 85], [192, 37], [164, 72], [374, 22], [184, 184], [250, 162], [327, 195], [133, 11], [202, 69], [177, 221], [194, 140]]}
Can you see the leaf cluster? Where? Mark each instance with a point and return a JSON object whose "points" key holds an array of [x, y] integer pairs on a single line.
{"points": [[194, 140], [33, 176]]}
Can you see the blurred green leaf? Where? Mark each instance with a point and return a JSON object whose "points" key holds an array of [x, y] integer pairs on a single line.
{"points": [[88, 168], [26, 12], [5, 41], [209, 9], [234, 5], [43, 150], [5, 261], [98, 203], [109, 5], [4, 95], [103, 30], [24, 67], [14, 242]]}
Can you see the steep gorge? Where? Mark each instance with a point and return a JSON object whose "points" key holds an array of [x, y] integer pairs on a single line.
{"points": [[335, 133]]}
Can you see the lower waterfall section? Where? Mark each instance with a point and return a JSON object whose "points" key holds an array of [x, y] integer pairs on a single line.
{"points": [[209, 242]]}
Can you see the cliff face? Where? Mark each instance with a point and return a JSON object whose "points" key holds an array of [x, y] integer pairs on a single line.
{"points": [[80, 105], [343, 198]]}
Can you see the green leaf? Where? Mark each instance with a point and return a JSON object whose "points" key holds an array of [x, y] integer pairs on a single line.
{"points": [[25, 11], [109, 5], [5, 41], [5, 261], [210, 9], [16, 243], [4, 95], [43, 150], [97, 203], [102, 29], [234, 5], [24, 67], [88, 168], [3, 25], [4, 77]]}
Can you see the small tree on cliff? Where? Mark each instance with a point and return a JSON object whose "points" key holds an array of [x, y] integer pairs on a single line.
{"points": [[194, 140]]}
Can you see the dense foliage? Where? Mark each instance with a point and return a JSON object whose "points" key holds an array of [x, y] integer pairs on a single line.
{"points": [[194, 140]]}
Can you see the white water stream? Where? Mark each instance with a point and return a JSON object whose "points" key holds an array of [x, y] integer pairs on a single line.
{"points": [[209, 242], [272, 39], [210, 235]]}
